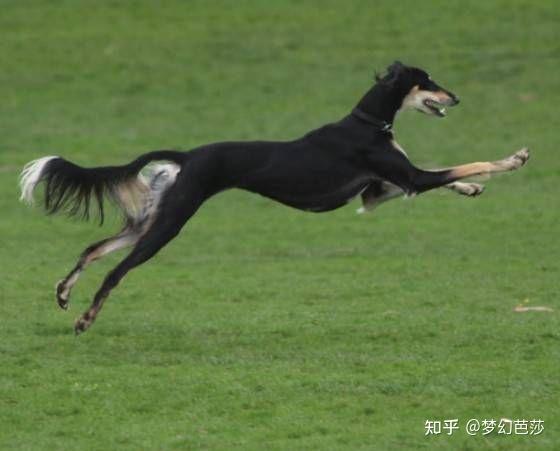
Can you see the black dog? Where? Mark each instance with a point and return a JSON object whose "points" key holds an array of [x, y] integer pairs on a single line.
{"points": [[319, 172]]}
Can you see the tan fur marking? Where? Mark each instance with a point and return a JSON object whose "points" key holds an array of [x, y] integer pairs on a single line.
{"points": [[466, 189], [132, 195], [113, 245], [409, 100], [416, 97], [397, 146], [511, 163], [442, 97], [472, 169]]}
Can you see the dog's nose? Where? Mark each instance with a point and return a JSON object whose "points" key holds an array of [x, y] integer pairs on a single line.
{"points": [[456, 100]]}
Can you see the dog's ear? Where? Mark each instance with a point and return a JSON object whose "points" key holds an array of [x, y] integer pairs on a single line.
{"points": [[395, 68], [392, 73]]}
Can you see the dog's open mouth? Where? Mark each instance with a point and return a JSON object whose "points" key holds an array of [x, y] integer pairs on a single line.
{"points": [[435, 107]]}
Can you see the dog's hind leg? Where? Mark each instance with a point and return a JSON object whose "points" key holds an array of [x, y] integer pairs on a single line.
{"points": [[140, 212], [170, 218], [376, 193], [127, 237]]}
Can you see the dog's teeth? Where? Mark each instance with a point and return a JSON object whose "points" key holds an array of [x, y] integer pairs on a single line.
{"points": [[442, 110]]}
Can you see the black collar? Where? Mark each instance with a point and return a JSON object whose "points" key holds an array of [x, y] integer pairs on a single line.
{"points": [[384, 126]]}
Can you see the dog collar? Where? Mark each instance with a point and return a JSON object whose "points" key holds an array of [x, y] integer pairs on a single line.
{"points": [[384, 126]]}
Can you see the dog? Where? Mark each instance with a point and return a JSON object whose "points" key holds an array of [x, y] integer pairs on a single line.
{"points": [[321, 171]]}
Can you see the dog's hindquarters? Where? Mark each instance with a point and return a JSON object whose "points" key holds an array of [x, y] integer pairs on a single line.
{"points": [[156, 181], [137, 188], [176, 205]]}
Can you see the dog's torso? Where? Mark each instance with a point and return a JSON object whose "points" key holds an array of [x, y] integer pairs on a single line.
{"points": [[321, 171]]}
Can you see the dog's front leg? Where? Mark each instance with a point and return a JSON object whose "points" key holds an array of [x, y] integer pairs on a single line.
{"points": [[397, 169], [426, 180], [380, 192], [511, 163], [466, 189]]}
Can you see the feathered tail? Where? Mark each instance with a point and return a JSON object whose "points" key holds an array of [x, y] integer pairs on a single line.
{"points": [[71, 188]]}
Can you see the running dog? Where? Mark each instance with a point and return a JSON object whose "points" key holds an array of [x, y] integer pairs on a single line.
{"points": [[321, 171]]}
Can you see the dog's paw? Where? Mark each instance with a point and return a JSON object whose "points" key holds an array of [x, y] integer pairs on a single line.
{"points": [[62, 294], [472, 189], [83, 323], [466, 189], [518, 159]]}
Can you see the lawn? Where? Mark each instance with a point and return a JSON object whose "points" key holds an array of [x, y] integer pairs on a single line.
{"points": [[262, 327]]}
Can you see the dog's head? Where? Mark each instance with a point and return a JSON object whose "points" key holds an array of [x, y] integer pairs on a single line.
{"points": [[419, 91]]}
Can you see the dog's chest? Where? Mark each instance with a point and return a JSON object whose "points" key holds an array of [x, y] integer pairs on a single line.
{"points": [[398, 147]]}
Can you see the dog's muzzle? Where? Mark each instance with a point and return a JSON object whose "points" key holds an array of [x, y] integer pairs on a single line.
{"points": [[438, 101]]}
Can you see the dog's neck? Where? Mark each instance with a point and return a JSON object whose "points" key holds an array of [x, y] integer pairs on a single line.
{"points": [[382, 102]]}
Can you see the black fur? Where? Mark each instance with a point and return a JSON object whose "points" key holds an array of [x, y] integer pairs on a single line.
{"points": [[320, 171], [71, 188]]}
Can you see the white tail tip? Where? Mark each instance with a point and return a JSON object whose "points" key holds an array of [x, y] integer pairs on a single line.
{"points": [[30, 176]]}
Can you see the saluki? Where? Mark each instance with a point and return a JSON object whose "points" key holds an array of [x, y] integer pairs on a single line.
{"points": [[321, 171]]}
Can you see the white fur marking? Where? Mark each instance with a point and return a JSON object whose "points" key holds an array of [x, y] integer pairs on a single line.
{"points": [[127, 240], [65, 294], [30, 176], [140, 196], [169, 170]]}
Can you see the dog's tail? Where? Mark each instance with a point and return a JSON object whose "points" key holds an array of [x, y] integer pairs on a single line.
{"points": [[70, 187]]}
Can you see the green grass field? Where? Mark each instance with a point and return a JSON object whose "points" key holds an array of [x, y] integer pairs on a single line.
{"points": [[262, 327]]}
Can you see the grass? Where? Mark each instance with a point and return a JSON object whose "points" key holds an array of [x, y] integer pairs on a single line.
{"points": [[261, 326]]}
